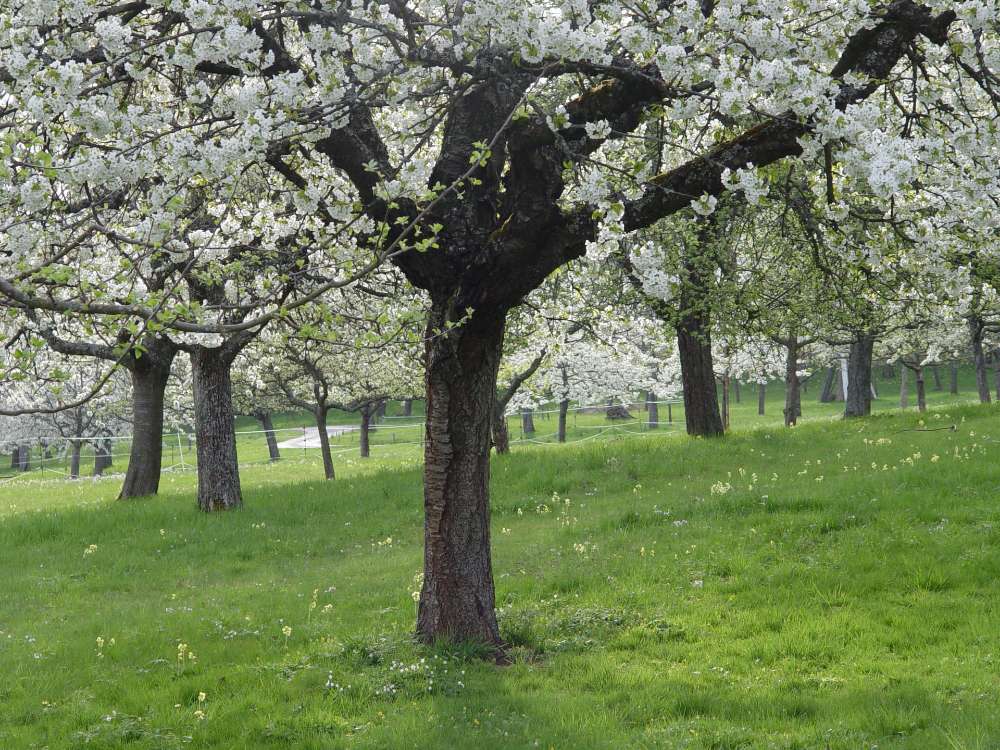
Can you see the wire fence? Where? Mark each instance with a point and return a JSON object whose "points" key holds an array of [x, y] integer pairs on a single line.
{"points": [[107, 455]]}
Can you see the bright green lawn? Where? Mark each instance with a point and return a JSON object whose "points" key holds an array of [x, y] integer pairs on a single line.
{"points": [[836, 589]]}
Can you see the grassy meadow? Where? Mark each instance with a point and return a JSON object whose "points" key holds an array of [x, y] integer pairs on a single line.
{"points": [[830, 586]]}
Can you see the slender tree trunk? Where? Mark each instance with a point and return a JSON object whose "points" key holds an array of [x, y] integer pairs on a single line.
{"points": [[793, 396], [954, 379], [407, 407], [320, 413], [936, 372], [761, 398], [267, 424], [725, 402], [218, 465], [100, 458], [904, 387], [979, 359], [859, 377], [828, 394], [921, 390], [366, 421], [501, 435], [149, 382], [528, 422], [457, 600], [652, 409], [736, 391], [996, 376], [74, 461]]}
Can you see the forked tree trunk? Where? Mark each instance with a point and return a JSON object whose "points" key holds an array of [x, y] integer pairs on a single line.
{"points": [[149, 382], [921, 390], [904, 387], [701, 398], [74, 461], [264, 417], [859, 377], [320, 413], [979, 359], [457, 599], [364, 439], [653, 410], [954, 379], [761, 398], [218, 466]]}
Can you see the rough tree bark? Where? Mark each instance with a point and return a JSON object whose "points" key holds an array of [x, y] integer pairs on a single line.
{"points": [[904, 387], [364, 438], [149, 382], [528, 422], [319, 414], [501, 435], [859, 377], [725, 401], [977, 330], [458, 598], [793, 396], [218, 465], [828, 394], [921, 389], [267, 424], [652, 410], [761, 398], [74, 462]]}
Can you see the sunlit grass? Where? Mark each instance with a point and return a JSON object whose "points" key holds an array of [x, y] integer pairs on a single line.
{"points": [[828, 586]]}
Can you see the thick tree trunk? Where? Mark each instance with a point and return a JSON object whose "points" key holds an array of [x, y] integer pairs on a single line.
{"points": [[366, 423], [652, 409], [828, 394], [761, 398], [148, 385], [458, 598], [501, 435], [921, 390], [266, 423], [954, 379], [320, 413], [701, 398], [74, 461], [979, 359], [859, 377], [904, 387], [528, 422], [841, 383], [407, 407], [218, 465]]}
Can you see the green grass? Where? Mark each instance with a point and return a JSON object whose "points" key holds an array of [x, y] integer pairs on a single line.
{"points": [[832, 586]]}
